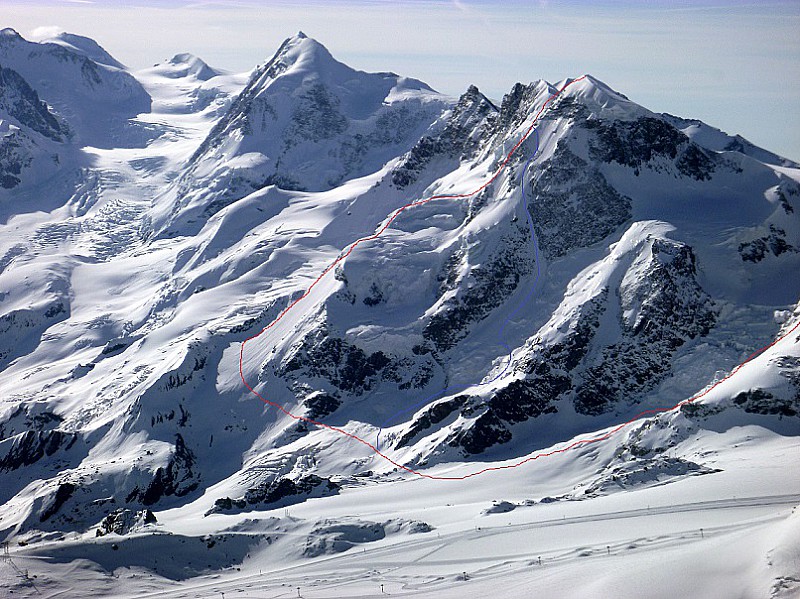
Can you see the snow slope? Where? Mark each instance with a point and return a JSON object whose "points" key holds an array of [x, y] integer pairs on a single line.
{"points": [[620, 261]]}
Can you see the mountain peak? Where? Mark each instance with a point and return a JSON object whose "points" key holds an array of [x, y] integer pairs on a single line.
{"points": [[182, 58], [301, 59], [8, 33], [84, 46], [592, 89], [305, 51], [474, 97], [186, 64]]}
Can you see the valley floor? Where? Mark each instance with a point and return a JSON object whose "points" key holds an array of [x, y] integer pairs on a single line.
{"points": [[731, 533]]}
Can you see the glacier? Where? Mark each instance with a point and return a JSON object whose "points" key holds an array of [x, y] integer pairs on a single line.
{"points": [[154, 221]]}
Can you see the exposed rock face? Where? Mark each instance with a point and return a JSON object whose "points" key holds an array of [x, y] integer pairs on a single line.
{"points": [[320, 404], [122, 521], [548, 377], [346, 366], [639, 142], [21, 102], [786, 192], [758, 401], [663, 307], [516, 105], [574, 206], [176, 479], [29, 447], [468, 123], [23, 420], [316, 116], [482, 290], [29, 131], [432, 415], [14, 157], [773, 243], [342, 368], [482, 433], [278, 492], [57, 500]]}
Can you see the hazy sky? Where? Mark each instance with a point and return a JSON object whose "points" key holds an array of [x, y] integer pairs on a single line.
{"points": [[733, 64]]}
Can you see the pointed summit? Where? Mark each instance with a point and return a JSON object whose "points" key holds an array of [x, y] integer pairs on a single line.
{"points": [[596, 94], [302, 60], [305, 121], [9, 35], [305, 54]]}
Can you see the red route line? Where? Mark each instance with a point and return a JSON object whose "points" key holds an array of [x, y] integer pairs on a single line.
{"points": [[375, 235]]}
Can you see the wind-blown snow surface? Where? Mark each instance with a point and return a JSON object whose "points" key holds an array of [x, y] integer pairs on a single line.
{"points": [[153, 221]]}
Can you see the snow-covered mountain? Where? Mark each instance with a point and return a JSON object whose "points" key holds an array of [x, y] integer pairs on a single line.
{"points": [[89, 89], [164, 238], [31, 132], [304, 121]]}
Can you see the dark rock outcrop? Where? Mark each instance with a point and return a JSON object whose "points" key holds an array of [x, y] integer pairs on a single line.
{"points": [[639, 142], [31, 446], [668, 308], [487, 286], [21, 102], [123, 520], [278, 492], [176, 479], [773, 243], [59, 498], [455, 141], [573, 205], [758, 401], [349, 369]]}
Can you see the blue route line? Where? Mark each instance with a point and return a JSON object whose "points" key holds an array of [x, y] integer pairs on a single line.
{"points": [[506, 321]]}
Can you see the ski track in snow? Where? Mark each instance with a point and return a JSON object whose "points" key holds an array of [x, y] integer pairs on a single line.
{"points": [[334, 572], [375, 448]]}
